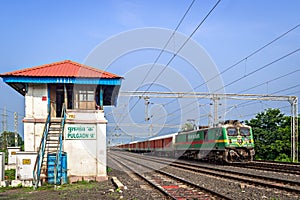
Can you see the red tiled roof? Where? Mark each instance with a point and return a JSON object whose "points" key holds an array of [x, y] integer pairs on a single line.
{"points": [[66, 68]]}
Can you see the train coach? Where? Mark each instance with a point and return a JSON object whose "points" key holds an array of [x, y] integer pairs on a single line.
{"points": [[229, 142]]}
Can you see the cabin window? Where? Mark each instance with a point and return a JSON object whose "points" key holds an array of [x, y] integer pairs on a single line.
{"points": [[244, 131], [232, 132], [84, 97]]}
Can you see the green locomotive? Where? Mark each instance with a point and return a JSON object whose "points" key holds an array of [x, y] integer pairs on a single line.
{"points": [[229, 142]]}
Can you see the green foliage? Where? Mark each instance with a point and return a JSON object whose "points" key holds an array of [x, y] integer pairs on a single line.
{"points": [[272, 135], [108, 169], [10, 174], [7, 139]]}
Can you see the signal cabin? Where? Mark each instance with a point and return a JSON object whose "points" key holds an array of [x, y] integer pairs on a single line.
{"points": [[64, 120]]}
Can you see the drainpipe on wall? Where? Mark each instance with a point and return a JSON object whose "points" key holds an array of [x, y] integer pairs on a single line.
{"points": [[65, 96], [101, 98]]}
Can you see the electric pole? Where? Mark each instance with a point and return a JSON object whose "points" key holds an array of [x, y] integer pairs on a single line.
{"points": [[16, 128], [4, 120], [147, 118]]}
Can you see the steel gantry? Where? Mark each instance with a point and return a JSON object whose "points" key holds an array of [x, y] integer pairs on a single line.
{"points": [[215, 97]]}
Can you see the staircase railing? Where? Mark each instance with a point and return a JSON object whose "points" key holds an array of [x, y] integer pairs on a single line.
{"points": [[58, 163], [41, 152]]}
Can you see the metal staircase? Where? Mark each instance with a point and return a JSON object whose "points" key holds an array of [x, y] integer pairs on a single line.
{"points": [[51, 143]]}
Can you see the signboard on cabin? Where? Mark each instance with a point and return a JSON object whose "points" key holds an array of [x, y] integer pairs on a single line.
{"points": [[80, 132]]}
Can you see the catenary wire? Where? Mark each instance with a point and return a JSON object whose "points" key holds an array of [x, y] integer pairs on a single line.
{"points": [[162, 50], [174, 55], [181, 47], [250, 73], [245, 58], [250, 55]]}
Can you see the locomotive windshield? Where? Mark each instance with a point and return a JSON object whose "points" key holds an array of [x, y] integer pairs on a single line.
{"points": [[232, 131], [244, 131]]}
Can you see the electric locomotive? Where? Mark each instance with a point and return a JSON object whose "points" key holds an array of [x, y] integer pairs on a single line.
{"points": [[229, 142]]}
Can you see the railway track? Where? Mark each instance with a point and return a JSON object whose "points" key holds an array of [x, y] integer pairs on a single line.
{"points": [[172, 186], [290, 186], [291, 168]]}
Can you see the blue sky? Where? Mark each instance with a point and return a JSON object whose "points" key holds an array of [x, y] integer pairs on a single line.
{"points": [[40, 32]]}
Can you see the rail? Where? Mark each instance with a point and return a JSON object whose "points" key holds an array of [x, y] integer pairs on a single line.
{"points": [[41, 152]]}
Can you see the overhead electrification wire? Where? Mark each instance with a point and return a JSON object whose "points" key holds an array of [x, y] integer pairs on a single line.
{"points": [[250, 73], [245, 58], [293, 93], [181, 47], [247, 103], [260, 68], [185, 42], [244, 104], [250, 55], [163, 49], [165, 46], [252, 103], [269, 81], [289, 88]]}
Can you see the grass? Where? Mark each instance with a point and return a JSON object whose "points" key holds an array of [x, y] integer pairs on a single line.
{"points": [[70, 191], [108, 169], [74, 186], [47, 191], [10, 174], [78, 185]]}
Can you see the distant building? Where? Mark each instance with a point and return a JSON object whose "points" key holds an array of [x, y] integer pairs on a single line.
{"points": [[71, 96]]}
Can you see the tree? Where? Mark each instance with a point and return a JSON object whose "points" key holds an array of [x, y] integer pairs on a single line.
{"points": [[7, 139], [272, 135]]}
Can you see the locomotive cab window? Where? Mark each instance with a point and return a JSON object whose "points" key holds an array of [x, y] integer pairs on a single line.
{"points": [[206, 135], [232, 132], [244, 131]]}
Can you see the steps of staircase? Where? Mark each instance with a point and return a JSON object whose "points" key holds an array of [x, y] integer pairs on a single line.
{"points": [[51, 145], [52, 140], [55, 127]]}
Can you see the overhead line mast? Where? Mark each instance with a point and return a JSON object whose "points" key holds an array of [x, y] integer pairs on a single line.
{"points": [[4, 120]]}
